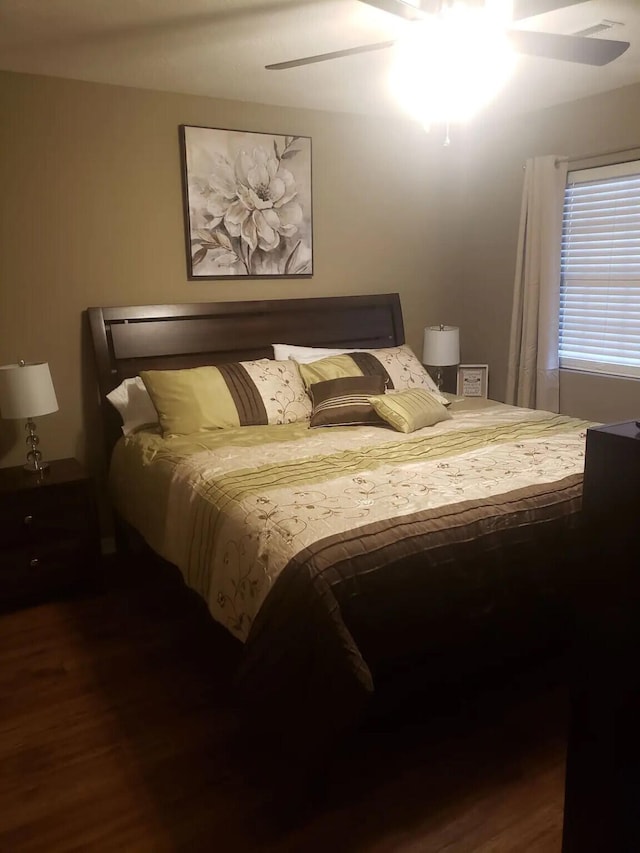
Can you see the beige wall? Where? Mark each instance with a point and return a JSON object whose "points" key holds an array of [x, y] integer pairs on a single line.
{"points": [[490, 157], [92, 215]]}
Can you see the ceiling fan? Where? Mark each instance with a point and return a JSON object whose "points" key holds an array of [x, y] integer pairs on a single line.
{"points": [[570, 48]]}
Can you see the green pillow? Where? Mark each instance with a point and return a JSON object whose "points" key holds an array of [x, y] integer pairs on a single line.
{"points": [[230, 395], [341, 367], [398, 366], [407, 411]]}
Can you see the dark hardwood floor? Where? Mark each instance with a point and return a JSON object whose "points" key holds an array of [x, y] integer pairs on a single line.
{"points": [[117, 733]]}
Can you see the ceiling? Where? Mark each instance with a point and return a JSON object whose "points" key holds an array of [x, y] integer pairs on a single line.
{"points": [[219, 48]]}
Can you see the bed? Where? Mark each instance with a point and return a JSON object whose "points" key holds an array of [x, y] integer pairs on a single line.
{"points": [[348, 561]]}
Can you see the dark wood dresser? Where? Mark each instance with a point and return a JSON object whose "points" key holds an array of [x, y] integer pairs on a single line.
{"points": [[612, 469], [602, 794], [49, 538]]}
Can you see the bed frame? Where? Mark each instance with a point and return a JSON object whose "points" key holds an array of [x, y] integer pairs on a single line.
{"points": [[129, 339]]}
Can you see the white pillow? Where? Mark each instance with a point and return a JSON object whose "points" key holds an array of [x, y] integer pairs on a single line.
{"points": [[305, 355], [133, 402]]}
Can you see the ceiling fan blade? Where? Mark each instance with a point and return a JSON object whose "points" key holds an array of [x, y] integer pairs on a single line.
{"points": [[587, 51], [323, 57], [410, 11], [531, 8]]}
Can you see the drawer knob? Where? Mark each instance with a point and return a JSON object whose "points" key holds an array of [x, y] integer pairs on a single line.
{"points": [[34, 562], [28, 519]]}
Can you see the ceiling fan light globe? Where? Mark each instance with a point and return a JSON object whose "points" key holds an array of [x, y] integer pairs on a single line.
{"points": [[450, 66]]}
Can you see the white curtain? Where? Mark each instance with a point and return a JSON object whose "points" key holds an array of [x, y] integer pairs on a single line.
{"points": [[533, 378]]}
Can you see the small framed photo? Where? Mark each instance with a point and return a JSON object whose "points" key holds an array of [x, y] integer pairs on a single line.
{"points": [[473, 380]]}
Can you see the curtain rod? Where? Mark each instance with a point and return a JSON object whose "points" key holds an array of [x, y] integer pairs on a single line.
{"points": [[636, 149]]}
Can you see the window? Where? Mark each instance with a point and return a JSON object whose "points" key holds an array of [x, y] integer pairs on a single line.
{"points": [[600, 271]]}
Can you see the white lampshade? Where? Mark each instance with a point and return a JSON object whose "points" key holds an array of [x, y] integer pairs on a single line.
{"points": [[26, 391], [441, 346]]}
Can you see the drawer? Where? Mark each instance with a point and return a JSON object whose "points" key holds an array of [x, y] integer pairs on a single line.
{"points": [[37, 570], [37, 516]]}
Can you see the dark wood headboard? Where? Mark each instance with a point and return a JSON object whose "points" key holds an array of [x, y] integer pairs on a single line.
{"points": [[129, 339]]}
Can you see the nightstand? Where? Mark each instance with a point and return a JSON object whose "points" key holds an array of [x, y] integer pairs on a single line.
{"points": [[49, 537]]}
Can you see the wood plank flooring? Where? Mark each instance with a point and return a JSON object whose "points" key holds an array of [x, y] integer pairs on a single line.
{"points": [[117, 733]]}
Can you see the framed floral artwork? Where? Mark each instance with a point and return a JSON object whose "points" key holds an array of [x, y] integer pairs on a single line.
{"points": [[247, 200]]}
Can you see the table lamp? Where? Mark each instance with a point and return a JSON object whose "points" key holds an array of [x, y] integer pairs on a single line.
{"points": [[441, 348], [27, 392]]}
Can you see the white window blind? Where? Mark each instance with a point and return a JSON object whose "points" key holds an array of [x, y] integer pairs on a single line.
{"points": [[600, 271]]}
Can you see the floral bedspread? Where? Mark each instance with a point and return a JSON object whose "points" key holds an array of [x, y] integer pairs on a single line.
{"points": [[233, 508], [344, 558]]}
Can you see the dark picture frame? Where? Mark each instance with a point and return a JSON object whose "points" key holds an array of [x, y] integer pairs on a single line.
{"points": [[247, 204]]}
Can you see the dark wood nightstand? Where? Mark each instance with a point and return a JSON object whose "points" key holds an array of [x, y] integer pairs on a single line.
{"points": [[49, 537]]}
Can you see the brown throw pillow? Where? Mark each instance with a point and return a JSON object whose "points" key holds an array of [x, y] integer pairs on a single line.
{"points": [[345, 401]]}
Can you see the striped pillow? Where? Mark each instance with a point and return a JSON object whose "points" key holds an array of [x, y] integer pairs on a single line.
{"points": [[410, 410], [246, 393], [345, 402]]}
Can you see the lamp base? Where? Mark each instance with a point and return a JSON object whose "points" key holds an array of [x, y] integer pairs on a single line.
{"points": [[33, 469], [35, 463]]}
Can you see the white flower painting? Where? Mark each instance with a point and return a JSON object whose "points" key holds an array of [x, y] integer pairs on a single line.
{"points": [[247, 203]]}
